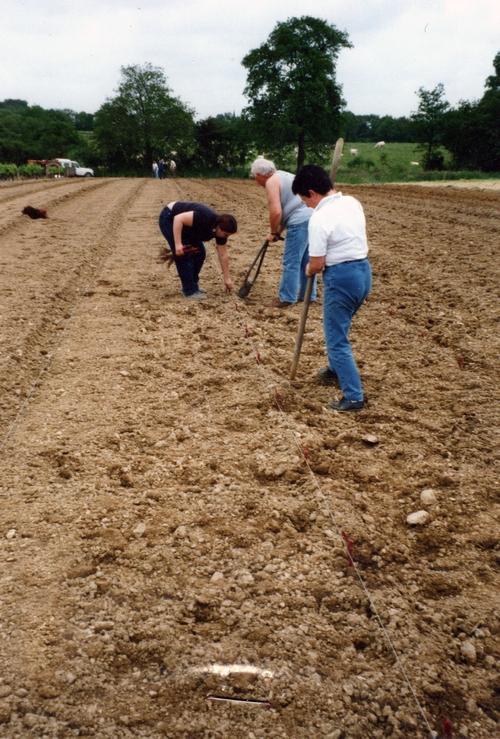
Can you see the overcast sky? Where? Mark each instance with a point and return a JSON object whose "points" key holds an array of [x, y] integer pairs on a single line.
{"points": [[68, 53]]}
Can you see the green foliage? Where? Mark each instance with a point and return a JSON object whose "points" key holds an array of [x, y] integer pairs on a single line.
{"points": [[291, 84], [31, 170], [393, 163], [33, 132], [8, 171], [376, 128], [52, 171], [472, 130], [429, 123], [143, 121], [223, 143]]}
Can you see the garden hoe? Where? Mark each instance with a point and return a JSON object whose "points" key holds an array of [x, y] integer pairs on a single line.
{"points": [[249, 281], [337, 154]]}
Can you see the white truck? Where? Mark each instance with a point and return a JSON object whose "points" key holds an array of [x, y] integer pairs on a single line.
{"points": [[74, 168]]}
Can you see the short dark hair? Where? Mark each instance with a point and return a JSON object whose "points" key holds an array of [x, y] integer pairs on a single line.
{"points": [[311, 177], [227, 222]]}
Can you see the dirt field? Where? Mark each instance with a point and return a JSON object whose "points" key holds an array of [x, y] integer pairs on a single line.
{"points": [[169, 502]]}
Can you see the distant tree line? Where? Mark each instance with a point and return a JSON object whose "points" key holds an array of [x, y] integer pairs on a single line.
{"points": [[295, 105]]}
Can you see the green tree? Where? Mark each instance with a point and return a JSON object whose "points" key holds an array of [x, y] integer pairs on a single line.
{"points": [[291, 84], [223, 142], [429, 124], [143, 121], [33, 133], [472, 130]]}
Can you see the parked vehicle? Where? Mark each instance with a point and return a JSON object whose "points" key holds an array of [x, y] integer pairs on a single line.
{"points": [[73, 168]]}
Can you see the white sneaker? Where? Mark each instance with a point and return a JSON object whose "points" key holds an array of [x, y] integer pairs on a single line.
{"points": [[196, 296]]}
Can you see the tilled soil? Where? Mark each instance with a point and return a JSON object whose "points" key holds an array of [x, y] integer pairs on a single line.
{"points": [[170, 501]]}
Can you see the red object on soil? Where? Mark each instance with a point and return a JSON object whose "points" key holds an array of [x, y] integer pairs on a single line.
{"points": [[34, 212], [349, 546], [447, 729]]}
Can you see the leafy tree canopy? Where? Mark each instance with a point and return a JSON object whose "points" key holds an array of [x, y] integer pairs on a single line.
{"points": [[472, 130], [223, 142], [31, 132], [291, 84], [428, 123], [143, 121]]}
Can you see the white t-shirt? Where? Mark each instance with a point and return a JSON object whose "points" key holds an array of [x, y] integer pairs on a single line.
{"points": [[337, 230]]}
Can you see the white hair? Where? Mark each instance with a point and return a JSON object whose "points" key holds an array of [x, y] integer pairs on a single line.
{"points": [[262, 166]]}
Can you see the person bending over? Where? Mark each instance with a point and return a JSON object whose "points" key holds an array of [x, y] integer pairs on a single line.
{"points": [[338, 247], [186, 226]]}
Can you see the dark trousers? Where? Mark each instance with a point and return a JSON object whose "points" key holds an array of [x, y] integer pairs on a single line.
{"points": [[188, 265]]}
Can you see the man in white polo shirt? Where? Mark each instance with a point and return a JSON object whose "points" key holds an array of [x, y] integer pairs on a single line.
{"points": [[338, 247]]}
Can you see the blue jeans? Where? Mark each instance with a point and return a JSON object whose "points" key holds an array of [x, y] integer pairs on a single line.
{"points": [[188, 265], [295, 258], [346, 285]]}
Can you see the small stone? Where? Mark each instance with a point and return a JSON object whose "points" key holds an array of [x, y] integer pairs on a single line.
{"points": [[245, 578], [5, 690], [11, 534], [471, 705], [370, 439], [489, 661], [468, 651], [124, 373], [30, 720], [49, 691], [217, 577], [140, 529], [418, 518], [181, 532], [428, 496]]}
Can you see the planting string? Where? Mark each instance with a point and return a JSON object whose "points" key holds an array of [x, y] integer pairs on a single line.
{"points": [[344, 538]]}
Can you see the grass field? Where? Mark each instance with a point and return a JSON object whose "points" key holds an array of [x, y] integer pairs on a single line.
{"points": [[393, 163]]}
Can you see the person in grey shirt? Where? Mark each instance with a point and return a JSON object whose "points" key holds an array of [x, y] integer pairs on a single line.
{"points": [[286, 211]]}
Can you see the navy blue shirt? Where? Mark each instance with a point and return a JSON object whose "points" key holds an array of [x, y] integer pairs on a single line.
{"points": [[204, 222]]}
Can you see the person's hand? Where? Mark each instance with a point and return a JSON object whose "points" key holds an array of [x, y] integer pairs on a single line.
{"points": [[229, 285], [179, 250], [273, 237]]}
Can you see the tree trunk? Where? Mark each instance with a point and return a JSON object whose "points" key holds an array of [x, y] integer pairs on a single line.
{"points": [[301, 152]]}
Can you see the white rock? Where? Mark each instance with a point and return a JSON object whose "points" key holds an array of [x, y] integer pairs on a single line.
{"points": [[140, 529], [428, 496], [11, 534], [468, 651], [217, 577], [418, 518]]}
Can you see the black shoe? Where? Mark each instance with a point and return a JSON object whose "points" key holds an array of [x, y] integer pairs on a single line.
{"points": [[347, 405], [326, 376]]}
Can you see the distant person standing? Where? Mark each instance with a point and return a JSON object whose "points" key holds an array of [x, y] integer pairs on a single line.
{"points": [[286, 211], [338, 247], [161, 169], [186, 225], [155, 169]]}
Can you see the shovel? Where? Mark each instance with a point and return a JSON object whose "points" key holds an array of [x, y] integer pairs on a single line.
{"points": [[337, 154], [248, 282], [302, 325]]}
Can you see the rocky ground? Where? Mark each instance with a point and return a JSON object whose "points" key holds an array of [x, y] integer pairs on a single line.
{"points": [[171, 502]]}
